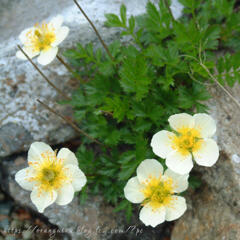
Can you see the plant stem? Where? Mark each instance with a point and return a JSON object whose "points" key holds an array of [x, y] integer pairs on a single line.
{"points": [[96, 31], [69, 122], [43, 75], [68, 67], [223, 88]]}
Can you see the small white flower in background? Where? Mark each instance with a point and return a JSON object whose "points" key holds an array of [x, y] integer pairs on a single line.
{"points": [[155, 191], [42, 40], [50, 177], [191, 140]]}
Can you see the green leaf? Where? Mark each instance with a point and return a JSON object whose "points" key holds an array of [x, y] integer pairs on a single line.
{"points": [[118, 106], [210, 37], [194, 182], [141, 148], [192, 4], [134, 76], [127, 170], [113, 137], [131, 22], [228, 69], [115, 48], [106, 69], [123, 13], [113, 21]]}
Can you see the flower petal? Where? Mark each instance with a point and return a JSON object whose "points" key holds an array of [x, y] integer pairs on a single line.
{"points": [[208, 154], [149, 168], [36, 149], [78, 178], [23, 178], [181, 120], [30, 54], [61, 34], [42, 199], [161, 143], [65, 194], [67, 156], [180, 182], [205, 124], [56, 22], [48, 56], [176, 209], [23, 34], [179, 163], [132, 191], [152, 217]]}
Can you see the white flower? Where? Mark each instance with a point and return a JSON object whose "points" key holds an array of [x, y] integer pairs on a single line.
{"points": [[192, 139], [42, 40], [51, 178], [156, 193]]}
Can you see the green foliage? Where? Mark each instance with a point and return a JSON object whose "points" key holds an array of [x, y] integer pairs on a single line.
{"points": [[122, 103], [194, 182], [228, 69]]}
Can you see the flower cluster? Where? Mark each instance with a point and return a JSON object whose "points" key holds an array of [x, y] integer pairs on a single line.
{"points": [[54, 177], [157, 190]]}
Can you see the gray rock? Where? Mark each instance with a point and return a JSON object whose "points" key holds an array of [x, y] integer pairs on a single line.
{"points": [[21, 85], [214, 210], [13, 138]]}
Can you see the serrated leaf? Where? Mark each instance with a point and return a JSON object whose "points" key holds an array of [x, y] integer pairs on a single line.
{"points": [[113, 20], [131, 23], [123, 14], [134, 76], [118, 106]]}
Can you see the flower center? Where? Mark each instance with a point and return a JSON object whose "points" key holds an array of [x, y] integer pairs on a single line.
{"points": [[188, 140], [48, 175], [158, 192], [50, 172], [41, 38]]}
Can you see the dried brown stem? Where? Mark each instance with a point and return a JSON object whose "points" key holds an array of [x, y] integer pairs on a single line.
{"points": [[68, 67], [96, 31], [72, 124], [43, 75]]}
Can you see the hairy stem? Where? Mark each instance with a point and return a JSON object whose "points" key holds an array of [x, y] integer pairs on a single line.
{"points": [[72, 124], [95, 30], [43, 75], [68, 67]]}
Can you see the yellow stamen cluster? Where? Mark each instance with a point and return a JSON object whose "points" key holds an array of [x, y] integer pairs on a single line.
{"points": [[41, 38], [158, 192], [50, 172], [187, 140]]}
